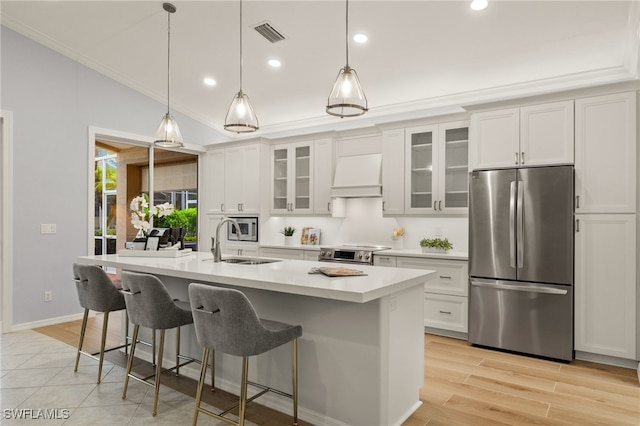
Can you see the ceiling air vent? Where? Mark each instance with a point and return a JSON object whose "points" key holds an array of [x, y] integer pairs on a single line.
{"points": [[269, 32]]}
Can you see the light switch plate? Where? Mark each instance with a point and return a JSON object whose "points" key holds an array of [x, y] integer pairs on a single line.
{"points": [[47, 228]]}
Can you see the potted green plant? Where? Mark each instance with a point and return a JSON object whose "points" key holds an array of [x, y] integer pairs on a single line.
{"points": [[288, 232], [435, 245]]}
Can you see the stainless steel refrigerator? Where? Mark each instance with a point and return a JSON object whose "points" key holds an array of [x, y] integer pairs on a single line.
{"points": [[521, 260]]}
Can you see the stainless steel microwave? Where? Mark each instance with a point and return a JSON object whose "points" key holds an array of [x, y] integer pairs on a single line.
{"points": [[248, 226]]}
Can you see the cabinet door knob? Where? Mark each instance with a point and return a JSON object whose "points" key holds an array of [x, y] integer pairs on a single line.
{"points": [[517, 159], [522, 158], [440, 205], [434, 206], [222, 207], [577, 225], [329, 206], [383, 205], [577, 201]]}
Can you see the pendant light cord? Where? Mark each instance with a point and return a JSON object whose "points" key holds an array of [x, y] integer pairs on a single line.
{"points": [[168, 58], [240, 46], [347, 32]]}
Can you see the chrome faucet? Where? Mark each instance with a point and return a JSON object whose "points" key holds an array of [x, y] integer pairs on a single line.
{"points": [[215, 249]]}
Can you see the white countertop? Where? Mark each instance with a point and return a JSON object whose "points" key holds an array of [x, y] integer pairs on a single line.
{"points": [[286, 276]]}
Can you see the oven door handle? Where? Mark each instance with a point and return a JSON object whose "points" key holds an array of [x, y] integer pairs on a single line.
{"points": [[529, 288]]}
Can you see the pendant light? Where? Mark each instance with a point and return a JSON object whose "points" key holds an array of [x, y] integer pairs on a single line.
{"points": [[241, 118], [347, 98], [168, 134]]}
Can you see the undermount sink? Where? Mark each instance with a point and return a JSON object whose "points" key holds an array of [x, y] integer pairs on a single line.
{"points": [[249, 260]]}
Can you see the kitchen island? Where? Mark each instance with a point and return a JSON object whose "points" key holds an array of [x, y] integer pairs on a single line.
{"points": [[361, 354]]}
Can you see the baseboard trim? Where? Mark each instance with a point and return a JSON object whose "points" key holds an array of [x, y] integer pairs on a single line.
{"points": [[47, 322]]}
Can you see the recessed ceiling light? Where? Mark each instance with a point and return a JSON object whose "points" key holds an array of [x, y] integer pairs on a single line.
{"points": [[274, 63], [209, 81], [479, 4], [360, 38]]}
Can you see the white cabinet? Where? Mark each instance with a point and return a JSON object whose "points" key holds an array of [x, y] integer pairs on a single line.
{"points": [[606, 154], [382, 260], [241, 249], [518, 137], [436, 168], [292, 178], [233, 179], [445, 295], [282, 253], [322, 175], [605, 284], [393, 172]]}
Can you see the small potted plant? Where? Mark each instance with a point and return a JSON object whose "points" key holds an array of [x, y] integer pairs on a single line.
{"points": [[288, 232], [435, 245]]}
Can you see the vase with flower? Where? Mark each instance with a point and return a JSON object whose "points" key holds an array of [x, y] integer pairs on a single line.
{"points": [[142, 212]]}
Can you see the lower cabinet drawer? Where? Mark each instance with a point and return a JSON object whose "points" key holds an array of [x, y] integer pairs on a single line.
{"points": [[445, 312]]}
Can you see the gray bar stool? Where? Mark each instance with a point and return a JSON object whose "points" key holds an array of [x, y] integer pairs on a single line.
{"points": [[150, 305], [96, 292], [226, 321]]}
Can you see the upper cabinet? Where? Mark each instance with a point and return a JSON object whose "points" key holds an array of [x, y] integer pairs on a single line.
{"points": [[520, 137], [233, 179], [606, 154], [436, 174], [323, 151], [425, 169], [292, 178]]}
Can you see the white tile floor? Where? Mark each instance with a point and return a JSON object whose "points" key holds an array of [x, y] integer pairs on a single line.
{"points": [[37, 381]]}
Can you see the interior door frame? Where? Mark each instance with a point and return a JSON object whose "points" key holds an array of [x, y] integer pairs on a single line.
{"points": [[6, 219]]}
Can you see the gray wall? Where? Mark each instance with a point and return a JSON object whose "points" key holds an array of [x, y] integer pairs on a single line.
{"points": [[54, 100]]}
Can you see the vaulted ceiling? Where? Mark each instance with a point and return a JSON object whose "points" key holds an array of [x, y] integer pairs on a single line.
{"points": [[422, 57]]}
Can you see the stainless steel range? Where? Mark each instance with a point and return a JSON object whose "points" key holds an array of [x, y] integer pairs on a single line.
{"points": [[349, 254]]}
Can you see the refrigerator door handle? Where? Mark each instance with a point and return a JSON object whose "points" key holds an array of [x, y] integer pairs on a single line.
{"points": [[520, 225], [529, 288], [512, 229]]}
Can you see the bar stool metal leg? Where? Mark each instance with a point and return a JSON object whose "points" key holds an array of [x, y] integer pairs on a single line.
{"points": [[136, 328], [294, 363], [83, 328], [243, 390], [105, 324], [203, 375], [177, 351], [158, 373]]}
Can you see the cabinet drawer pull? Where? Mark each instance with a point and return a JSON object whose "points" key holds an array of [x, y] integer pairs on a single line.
{"points": [[577, 201], [329, 206], [577, 225], [517, 159], [445, 277], [440, 205], [383, 206], [446, 312], [522, 158], [222, 207], [434, 206]]}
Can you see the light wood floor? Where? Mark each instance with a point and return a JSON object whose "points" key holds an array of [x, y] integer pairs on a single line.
{"points": [[467, 385]]}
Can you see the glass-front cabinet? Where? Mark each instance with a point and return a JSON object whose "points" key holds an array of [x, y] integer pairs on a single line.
{"points": [[436, 178], [291, 171]]}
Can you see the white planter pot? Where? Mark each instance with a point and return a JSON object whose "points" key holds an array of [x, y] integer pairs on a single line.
{"points": [[289, 240], [433, 250]]}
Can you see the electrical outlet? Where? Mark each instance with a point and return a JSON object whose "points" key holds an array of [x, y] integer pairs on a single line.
{"points": [[48, 296]]}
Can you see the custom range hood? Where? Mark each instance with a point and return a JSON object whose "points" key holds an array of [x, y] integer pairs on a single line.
{"points": [[358, 176]]}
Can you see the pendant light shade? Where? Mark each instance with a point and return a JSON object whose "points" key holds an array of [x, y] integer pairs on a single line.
{"points": [[241, 118], [168, 134], [347, 99]]}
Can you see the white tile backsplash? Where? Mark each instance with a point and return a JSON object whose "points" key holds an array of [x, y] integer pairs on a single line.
{"points": [[364, 224]]}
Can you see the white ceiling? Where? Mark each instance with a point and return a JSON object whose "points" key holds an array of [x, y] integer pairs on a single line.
{"points": [[423, 57]]}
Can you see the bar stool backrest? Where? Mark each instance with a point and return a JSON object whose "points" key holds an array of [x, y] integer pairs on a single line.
{"points": [[149, 304], [96, 290], [226, 321]]}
